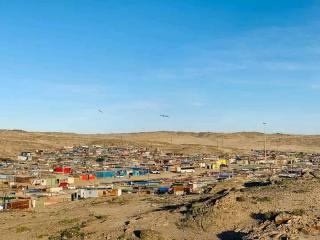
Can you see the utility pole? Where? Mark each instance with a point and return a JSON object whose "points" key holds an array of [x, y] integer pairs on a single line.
{"points": [[265, 141], [222, 143]]}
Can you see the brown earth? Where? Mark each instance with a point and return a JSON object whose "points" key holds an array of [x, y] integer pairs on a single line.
{"points": [[13, 142], [230, 211]]}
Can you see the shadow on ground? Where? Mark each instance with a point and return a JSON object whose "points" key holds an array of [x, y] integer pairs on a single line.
{"points": [[231, 235]]}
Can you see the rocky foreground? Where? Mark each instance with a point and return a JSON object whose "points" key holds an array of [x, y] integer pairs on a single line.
{"points": [[235, 209], [270, 209]]}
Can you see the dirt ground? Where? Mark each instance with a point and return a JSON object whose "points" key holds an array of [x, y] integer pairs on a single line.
{"points": [[228, 211], [13, 142], [104, 218]]}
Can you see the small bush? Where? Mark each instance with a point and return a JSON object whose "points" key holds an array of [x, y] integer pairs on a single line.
{"points": [[240, 199], [298, 212], [22, 229], [300, 191], [42, 236], [264, 199], [69, 221], [101, 217]]}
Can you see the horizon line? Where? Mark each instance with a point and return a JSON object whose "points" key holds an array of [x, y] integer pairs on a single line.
{"points": [[157, 131]]}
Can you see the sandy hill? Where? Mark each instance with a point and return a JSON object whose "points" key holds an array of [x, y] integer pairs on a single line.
{"points": [[14, 141]]}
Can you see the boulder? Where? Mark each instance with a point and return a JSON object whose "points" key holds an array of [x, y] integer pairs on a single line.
{"points": [[282, 218]]}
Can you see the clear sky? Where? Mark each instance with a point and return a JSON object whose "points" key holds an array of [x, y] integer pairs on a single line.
{"points": [[211, 65]]}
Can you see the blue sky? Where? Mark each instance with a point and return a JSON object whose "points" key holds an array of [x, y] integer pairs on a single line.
{"points": [[211, 65]]}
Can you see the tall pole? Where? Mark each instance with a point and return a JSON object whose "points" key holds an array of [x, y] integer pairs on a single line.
{"points": [[265, 141], [222, 143]]}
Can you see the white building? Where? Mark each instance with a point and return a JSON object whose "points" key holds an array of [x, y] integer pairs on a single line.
{"points": [[87, 193], [25, 156]]}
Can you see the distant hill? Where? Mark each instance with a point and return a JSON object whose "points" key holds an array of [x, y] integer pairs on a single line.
{"points": [[14, 141]]}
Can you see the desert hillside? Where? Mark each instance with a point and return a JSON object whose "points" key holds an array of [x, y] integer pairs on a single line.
{"points": [[230, 211], [14, 141]]}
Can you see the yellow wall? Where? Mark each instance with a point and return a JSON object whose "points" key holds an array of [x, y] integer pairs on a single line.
{"points": [[220, 162]]}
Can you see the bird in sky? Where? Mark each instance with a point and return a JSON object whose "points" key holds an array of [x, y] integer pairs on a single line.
{"points": [[164, 116], [100, 111]]}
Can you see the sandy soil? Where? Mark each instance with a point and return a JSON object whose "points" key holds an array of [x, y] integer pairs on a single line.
{"points": [[211, 216], [13, 142]]}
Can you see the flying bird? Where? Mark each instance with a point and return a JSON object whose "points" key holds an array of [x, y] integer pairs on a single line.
{"points": [[100, 111], [164, 116]]}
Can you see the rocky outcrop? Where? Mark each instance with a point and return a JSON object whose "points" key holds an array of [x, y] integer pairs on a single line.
{"points": [[296, 225]]}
